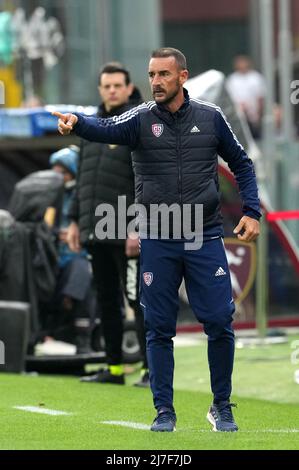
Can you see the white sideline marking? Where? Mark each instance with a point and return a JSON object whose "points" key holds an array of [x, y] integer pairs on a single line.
{"points": [[128, 424], [244, 431], [144, 427], [45, 411], [275, 431]]}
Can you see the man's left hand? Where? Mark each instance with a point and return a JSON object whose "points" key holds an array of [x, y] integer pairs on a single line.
{"points": [[249, 227]]}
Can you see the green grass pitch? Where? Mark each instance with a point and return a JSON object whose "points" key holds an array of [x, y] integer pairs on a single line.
{"points": [[264, 389]]}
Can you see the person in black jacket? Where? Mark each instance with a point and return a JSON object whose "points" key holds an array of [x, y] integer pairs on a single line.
{"points": [[105, 173], [175, 142]]}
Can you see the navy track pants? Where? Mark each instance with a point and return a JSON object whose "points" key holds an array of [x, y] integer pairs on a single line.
{"points": [[163, 265]]}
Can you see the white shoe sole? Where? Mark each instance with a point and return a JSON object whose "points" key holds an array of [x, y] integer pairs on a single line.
{"points": [[213, 423]]}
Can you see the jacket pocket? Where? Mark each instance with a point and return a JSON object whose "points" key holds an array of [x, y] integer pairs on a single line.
{"points": [[151, 193], [158, 190], [210, 198]]}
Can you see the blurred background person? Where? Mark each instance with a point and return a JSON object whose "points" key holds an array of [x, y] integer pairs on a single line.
{"points": [[67, 315], [33, 101], [247, 89], [105, 173]]}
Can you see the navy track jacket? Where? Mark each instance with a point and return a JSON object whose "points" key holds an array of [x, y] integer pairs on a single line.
{"points": [[175, 155]]}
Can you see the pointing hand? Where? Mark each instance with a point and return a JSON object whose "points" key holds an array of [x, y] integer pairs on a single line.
{"points": [[66, 122]]}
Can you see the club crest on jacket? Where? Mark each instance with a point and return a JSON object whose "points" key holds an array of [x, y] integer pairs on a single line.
{"points": [[157, 129], [148, 278]]}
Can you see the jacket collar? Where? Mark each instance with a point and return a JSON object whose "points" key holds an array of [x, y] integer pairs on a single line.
{"points": [[167, 115]]}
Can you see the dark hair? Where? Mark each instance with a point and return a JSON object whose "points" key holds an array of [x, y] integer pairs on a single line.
{"points": [[171, 52], [115, 67]]}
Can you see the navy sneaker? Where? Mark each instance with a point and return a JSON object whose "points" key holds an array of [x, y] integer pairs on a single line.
{"points": [[165, 421], [221, 417]]}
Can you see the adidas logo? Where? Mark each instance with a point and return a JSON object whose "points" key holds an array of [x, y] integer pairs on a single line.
{"points": [[220, 272], [194, 129]]}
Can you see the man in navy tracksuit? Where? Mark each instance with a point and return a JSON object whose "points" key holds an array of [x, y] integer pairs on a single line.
{"points": [[175, 142]]}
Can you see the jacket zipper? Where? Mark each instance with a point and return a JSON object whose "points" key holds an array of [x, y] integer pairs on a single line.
{"points": [[179, 159]]}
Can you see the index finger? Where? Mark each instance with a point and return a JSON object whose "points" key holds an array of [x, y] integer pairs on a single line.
{"points": [[59, 115], [239, 227]]}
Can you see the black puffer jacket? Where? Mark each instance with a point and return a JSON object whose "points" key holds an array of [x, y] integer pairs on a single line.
{"points": [[105, 172]]}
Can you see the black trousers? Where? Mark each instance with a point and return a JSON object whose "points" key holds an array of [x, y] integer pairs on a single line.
{"points": [[115, 275]]}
